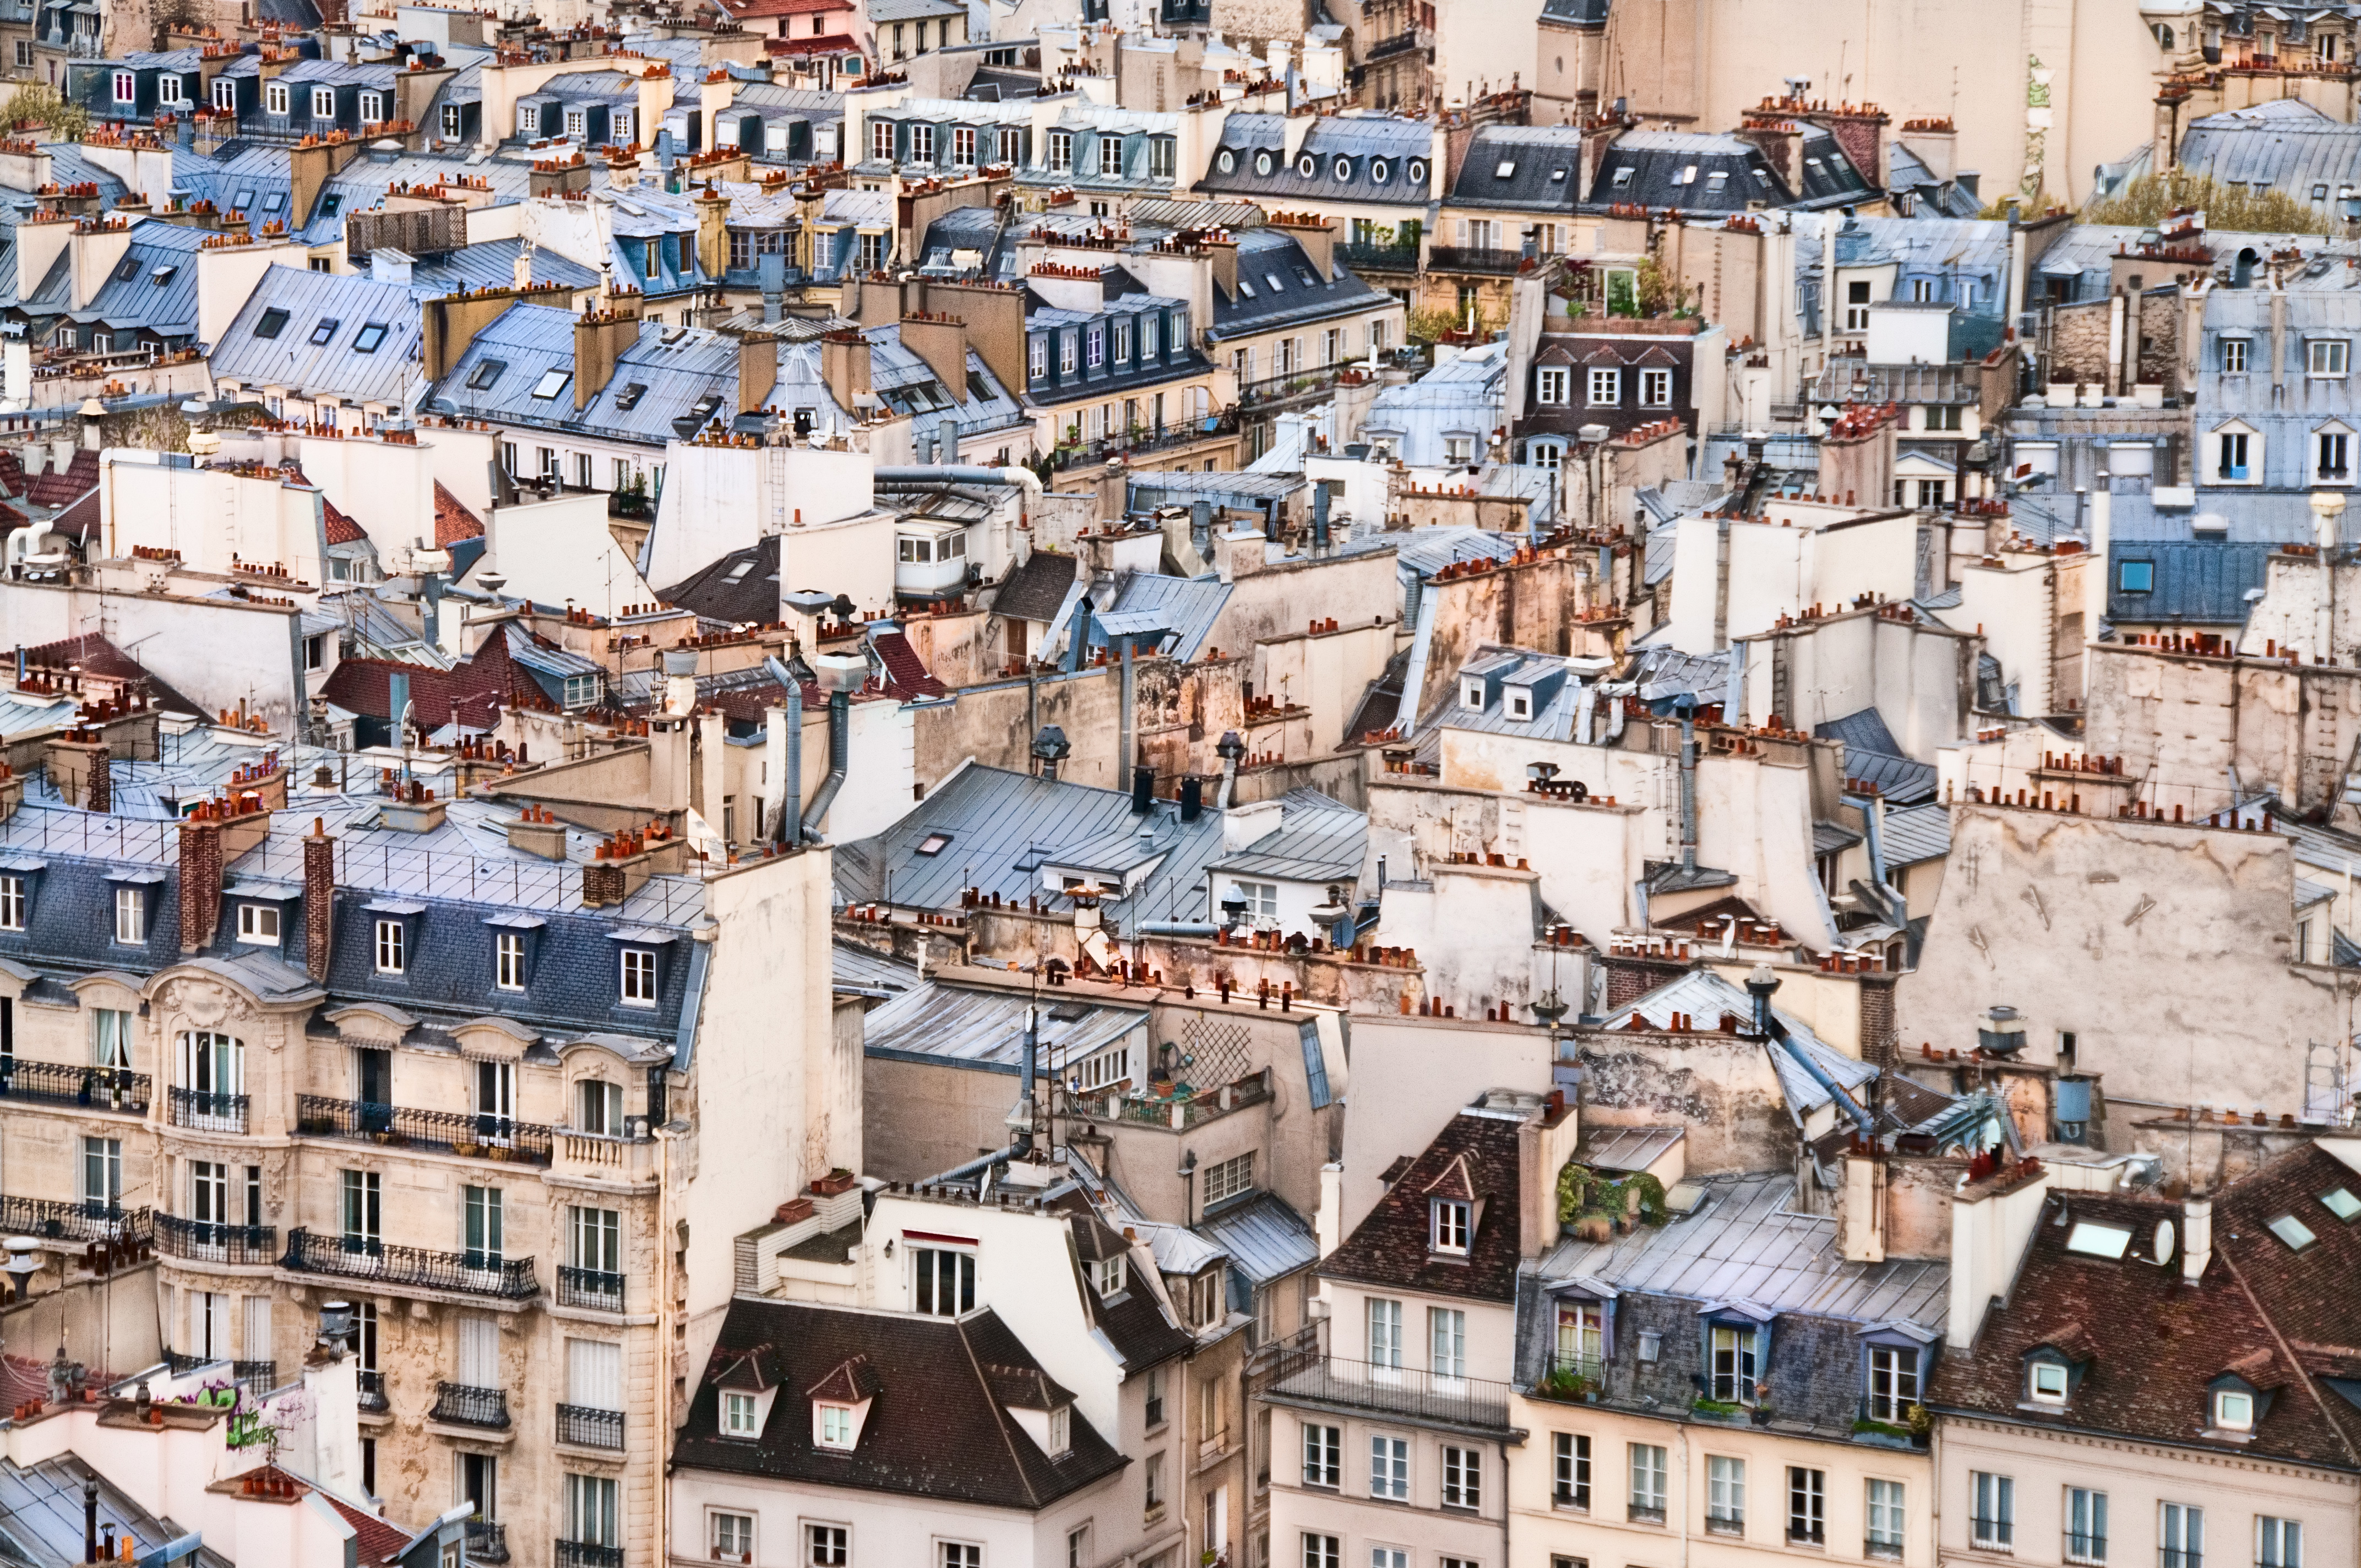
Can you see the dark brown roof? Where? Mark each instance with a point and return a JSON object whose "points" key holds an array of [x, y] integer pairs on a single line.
{"points": [[376, 1540], [938, 1423], [1037, 589], [2151, 1343], [92, 654], [1475, 1155], [453, 521], [55, 488], [906, 675], [742, 587]]}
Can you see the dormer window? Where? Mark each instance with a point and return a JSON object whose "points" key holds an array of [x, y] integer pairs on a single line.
{"points": [[738, 1415], [258, 924], [1732, 1363], [1107, 1276], [832, 1426], [1450, 1226], [1892, 1383], [639, 977], [2233, 1410], [1471, 696], [1520, 704], [1061, 1431], [2046, 1382]]}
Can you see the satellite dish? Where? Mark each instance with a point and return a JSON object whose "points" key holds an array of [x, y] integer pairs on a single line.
{"points": [[2164, 1241]]}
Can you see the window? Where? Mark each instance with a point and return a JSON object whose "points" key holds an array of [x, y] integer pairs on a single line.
{"points": [[1458, 450], [2134, 578], [2086, 1526], [1462, 1477], [1153, 1473], [1606, 387], [323, 102], [2327, 357], [481, 1228], [2180, 1536], [389, 938], [1648, 1476], [1856, 306], [1385, 1332], [126, 87], [12, 903], [130, 914], [372, 107], [258, 923], [1110, 156], [581, 691], [1319, 1551], [273, 322], [639, 977], [1992, 1520], [922, 143], [324, 329], [2047, 1382], [1447, 1334], [102, 1172], [2232, 450], [733, 1537], [738, 1414], [551, 382], [2233, 1410], [1448, 1223], [362, 1210], [594, 1239], [1163, 157], [2278, 1543], [1389, 1468], [1892, 1383], [591, 1515], [110, 1041], [943, 1282], [2332, 453], [1571, 1489], [961, 1555], [1065, 354], [1886, 1518], [1655, 388], [1229, 1178], [1808, 1505], [963, 146], [1732, 1364], [1323, 1458], [1107, 1276], [508, 960], [1550, 386], [1725, 1507], [2233, 356], [823, 1545], [1061, 152]]}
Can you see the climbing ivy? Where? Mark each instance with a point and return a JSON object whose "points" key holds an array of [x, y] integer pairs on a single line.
{"points": [[1584, 1195]]}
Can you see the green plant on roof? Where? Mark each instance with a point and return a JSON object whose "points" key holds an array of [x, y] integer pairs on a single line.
{"points": [[1584, 1195]]}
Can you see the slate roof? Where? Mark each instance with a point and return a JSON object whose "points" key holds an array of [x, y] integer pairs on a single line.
{"points": [[94, 653], [1873, 754], [1358, 145], [335, 310], [1286, 287], [491, 263], [1915, 834], [2285, 144], [1473, 1155], [2280, 1319], [963, 1025], [937, 1426], [741, 587], [1037, 589], [2198, 582], [1652, 169]]}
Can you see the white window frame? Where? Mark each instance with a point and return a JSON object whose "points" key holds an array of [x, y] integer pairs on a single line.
{"points": [[1570, 1478], [1603, 388], [323, 102], [1655, 388], [126, 87], [729, 1535], [2328, 358], [131, 915], [1992, 1511], [1648, 1477], [1384, 1317], [258, 924], [392, 947], [1451, 1225], [636, 984], [1551, 383], [1388, 1467], [12, 901]]}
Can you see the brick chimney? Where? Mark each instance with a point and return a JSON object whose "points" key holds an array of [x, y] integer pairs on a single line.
{"points": [[319, 899], [844, 367], [1316, 235], [600, 338], [201, 882], [758, 369], [942, 341], [1224, 252], [1860, 132]]}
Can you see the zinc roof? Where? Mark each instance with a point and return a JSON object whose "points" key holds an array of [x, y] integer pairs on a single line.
{"points": [[968, 1026], [314, 300]]}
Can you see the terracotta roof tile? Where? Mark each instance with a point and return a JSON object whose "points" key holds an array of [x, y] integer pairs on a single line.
{"points": [[343, 530], [453, 521], [906, 675], [80, 477]]}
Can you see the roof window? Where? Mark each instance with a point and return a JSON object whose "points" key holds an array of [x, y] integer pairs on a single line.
{"points": [[2097, 1240], [1272, 278], [2341, 1203], [369, 339], [934, 843], [485, 374], [551, 382], [2292, 1231], [1557, 176], [1508, 167], [273, 322], [1623, 177], [1687, 176], [127, 270], [162, 275], [630, 396], [324, 329]]}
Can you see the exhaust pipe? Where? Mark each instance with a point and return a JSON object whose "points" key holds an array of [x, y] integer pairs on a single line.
{"points": [[784, 749], [840, 742]]}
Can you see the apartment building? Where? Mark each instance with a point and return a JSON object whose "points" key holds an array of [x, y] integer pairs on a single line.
{"points": [[451, 1061]]}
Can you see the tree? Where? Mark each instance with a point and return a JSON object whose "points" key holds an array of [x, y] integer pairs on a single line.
{"points": [[39, 103], [2228, 209]]}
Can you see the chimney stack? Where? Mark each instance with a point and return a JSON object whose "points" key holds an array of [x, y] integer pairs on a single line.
{"points": [[2196, 1237], [319, 899], [201, 883]]}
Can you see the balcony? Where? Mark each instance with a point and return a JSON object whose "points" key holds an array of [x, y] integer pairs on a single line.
{"points": [[1378, 258], [458, 1405], [1306, 381], [208, 1112], [202, 1241], [1412, 39], [1174, 1114], [50, 1219], [590, 1288], [580, 1426], [261, 1375], [372, 1385], [1146, 441], [357, 1257], [1471, 1402], [89, 1088], [611, 1157], [487, 1541], [1473, 259], [586, 1554], [444, 1132]]}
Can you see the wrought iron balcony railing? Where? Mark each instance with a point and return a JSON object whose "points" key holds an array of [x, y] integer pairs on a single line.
{"points": [[203, 1240], [448, 1132], [206, 1113], [57, 1084], [357, 1257], [53, 1219], [460, 1405], [591, 1288], [585, 1428]]}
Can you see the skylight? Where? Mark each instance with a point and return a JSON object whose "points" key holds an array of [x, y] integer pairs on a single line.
{"points": [[242, 201], [630, 395], [1557, 176], [1508, 167], [127, 270], [1275, 286], [1245, 287], [2097, 1240], [2292, 1231], [325, 330], [1623, 177], [161, 276], [2341, 1203], [366, 340], [485, 374], [934, 843], [273, 322], [1688, 175], [740, 570], [551, 382]]}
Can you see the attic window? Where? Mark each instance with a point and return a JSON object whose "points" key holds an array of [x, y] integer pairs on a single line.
{"points": [[1061, 1431], [1717, 179], [2233, 1410], [1762, 178], [1557, 176], [738, 1418], [2097, 1240], [1815, 164], [161, 276], [934, 843], [368, 338], [323, 330], [485, 373], [1520, 704], [2341, 1203], [1623, 177], [551, 382], [2046, 1383], [127, 270], [1275, 286], [1245, 287], [1687, 176], [1508, 167], [1107, 1276], [629, 395], [2292, 1231], [244, 200], [273, 322], [332, 203], [740, 570], [832, 1426], [1471, 696], [1448, 1226]]}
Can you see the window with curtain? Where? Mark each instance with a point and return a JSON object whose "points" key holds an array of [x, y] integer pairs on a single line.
{"points": [[594, 1373], [110, 1038], [482, 1242]]}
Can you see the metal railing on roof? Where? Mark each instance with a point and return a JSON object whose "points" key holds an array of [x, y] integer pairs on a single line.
{"points": [[1472, 258], [1403, 1391], [1150, 438], [1379, 257], [1303, 382]]}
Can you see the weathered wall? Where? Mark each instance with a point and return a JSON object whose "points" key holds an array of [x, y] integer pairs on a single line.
{"points": [[1721, 1088], [2184, 722]]}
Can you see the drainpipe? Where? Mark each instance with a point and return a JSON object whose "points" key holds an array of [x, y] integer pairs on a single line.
{"points": [[1759, 984], [1122, 743], [1688, 786], [1077, 637], [1320, 519], [1024, 1064], [787, 793], [839, 742]]}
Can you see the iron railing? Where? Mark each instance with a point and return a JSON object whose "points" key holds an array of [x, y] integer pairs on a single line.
{"points": [[1991, 1535], [1147, 439], [1175, 1114], [180, 1364], [356, 1257], [587, 1555], [450, 1131], [208, 1112], [2082, 1546], [206, 1241], [1413, 39], [263, 1374], [1378, 258], [1474, 1402], [585, 1428], [53, 1219], [1301, 381], [90, 1087], [373, 1390], [487, 1541], [461, 1405], [1569, 1376], [1472, 258], [591, 1288]]}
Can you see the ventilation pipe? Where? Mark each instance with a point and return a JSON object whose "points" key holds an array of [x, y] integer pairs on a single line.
{"points": [[784, 799], [1230, 750], [1143, 790], [1078, 640], [1192, 798], [1760, 983], [1049, 749], [839, 743], [1688, 784], [1320, 517], [1201, 527]]}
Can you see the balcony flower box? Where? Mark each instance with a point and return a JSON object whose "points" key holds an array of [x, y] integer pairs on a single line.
{"points": [[795, 1212], [835, 1181]]}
